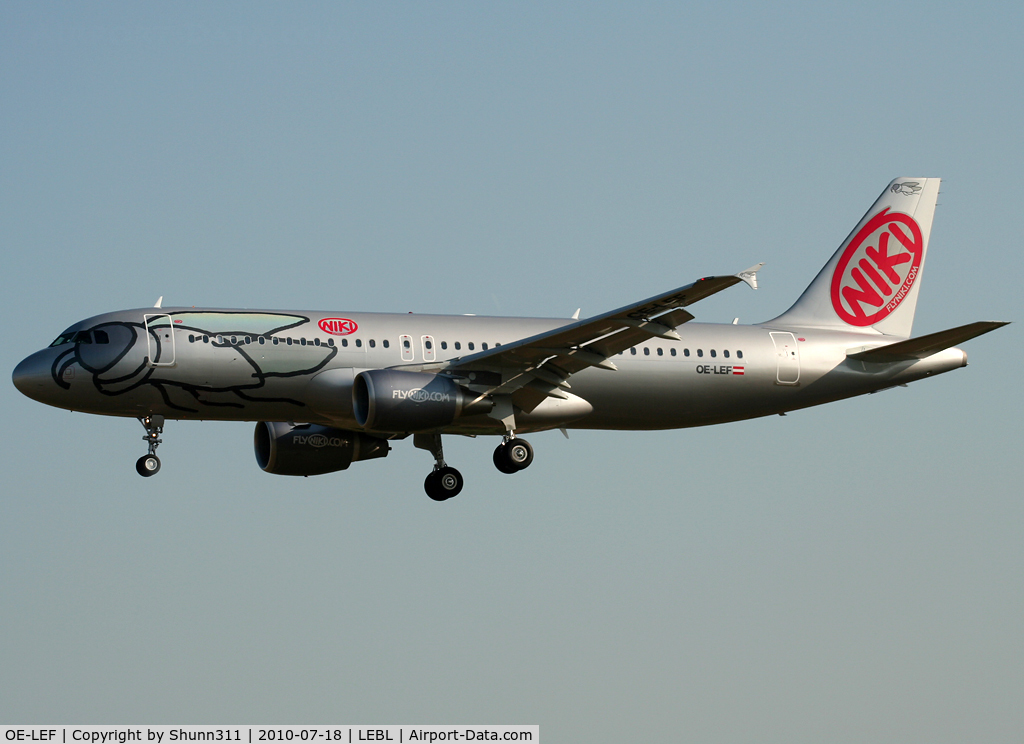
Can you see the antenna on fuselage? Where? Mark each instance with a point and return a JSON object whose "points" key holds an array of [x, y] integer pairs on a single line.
{"points": [[159, 303]]}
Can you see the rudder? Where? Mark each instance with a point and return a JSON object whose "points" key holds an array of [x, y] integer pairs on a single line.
{"points": [[871, 283]]}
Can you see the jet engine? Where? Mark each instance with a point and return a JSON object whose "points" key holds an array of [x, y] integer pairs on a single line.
{"points": [[310, 449], [398, 401]]}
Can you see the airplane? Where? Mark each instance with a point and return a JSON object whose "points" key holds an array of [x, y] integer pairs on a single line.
{"points": [[330, 389]]}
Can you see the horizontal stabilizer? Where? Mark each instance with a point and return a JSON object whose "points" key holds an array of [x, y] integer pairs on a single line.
{"points": [[925, 346]]}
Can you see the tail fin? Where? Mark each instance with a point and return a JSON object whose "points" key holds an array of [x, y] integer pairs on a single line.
{"points": [[872, 281]]}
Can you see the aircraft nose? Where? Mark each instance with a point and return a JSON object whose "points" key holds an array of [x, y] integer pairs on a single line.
{"points": [[32, 375]]}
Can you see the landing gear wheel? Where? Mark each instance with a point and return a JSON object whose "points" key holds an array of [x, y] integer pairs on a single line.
{"points": [[520, 453], [147, 465], [501, 461], [513, 456], [443, 484]]}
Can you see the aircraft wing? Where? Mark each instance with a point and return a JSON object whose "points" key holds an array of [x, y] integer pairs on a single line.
{"points": [[537, 367]]}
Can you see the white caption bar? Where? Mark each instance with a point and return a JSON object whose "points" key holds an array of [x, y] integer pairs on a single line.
{"points": [[262, 734]]}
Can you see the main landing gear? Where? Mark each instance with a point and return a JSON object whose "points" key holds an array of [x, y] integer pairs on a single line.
{"points": [[148, 465], [513, 455], [445, 482]]}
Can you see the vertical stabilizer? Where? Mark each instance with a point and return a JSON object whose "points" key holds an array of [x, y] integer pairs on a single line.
{"points": [[872, 281]]}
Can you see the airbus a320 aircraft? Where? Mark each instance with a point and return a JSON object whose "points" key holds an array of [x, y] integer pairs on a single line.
{"points": [[329, 389]]}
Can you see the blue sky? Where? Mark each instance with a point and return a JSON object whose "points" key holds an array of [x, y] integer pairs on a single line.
{"points": [[847, 573]]}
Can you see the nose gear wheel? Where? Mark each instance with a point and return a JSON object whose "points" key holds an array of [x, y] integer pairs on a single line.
{"points": [[147, 465]]}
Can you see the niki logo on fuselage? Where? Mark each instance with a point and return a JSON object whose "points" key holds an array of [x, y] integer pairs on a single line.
{"points": [[877, 269], [338, 326]]}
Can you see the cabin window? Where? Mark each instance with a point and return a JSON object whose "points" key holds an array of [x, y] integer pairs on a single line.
{"points": [[344, 342], [386, 343], [262, 340], [739, 354], [458, 345], [672, 352], [632, 350], [359, 342], [700, 352], [647, 352], [484, 346], [191, 339], [330, 342], [302, 341], [289, 340], [428, 345], [713, 353], [726, 353], [406, 344], [444, 345], [686, 352], [373, 344], [234, 339], [660, 352], [471, 346], [316, 342], [206, 340]]}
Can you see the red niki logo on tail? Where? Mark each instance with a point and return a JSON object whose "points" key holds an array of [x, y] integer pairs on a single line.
{"points": [[878, 268]]}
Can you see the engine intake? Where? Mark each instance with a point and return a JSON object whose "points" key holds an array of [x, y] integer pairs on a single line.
{"points": [[310, 449], [398, 401]]}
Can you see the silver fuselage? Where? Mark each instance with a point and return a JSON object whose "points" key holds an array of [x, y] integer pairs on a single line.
{"points": [[202, 364]]}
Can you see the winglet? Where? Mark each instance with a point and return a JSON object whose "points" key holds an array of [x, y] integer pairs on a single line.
{"points": [[159, 302], [576, 315], [750, 275]]}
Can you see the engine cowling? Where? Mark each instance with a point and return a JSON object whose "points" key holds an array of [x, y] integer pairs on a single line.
{"points": [[310, 449], [398, 401]]}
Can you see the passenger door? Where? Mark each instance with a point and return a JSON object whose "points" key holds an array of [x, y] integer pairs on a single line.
{"points": [[159, 340], [787, 358]]}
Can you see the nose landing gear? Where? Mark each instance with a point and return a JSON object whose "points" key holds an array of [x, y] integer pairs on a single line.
{"points": [[513, 455], [148, 465]]}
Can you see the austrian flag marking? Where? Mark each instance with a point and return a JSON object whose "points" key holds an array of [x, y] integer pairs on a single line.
{"points": [[338, 326], [878, 268], [737, 370]]}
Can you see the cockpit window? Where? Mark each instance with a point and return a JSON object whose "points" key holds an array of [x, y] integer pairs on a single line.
{"points": [[101, 337], [63, 338], [83, 337]]}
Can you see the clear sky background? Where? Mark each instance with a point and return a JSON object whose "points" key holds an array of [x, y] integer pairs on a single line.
{"points": [[851, 573]]}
